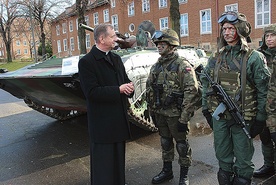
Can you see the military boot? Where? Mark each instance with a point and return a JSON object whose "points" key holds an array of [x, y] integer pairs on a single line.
{"points": [[183, 179], [224, 177], [264, 171], [165, 174], [241, 181]]}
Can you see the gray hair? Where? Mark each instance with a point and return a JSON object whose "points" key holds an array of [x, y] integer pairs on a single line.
{"points": [[101, 29]]}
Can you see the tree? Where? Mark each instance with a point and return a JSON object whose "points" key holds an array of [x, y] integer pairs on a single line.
{"points": [[81, 8], [175, 17], [43, 11], [8, 13]]}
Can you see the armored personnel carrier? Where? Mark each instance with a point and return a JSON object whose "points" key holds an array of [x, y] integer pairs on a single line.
{"points": [[52, 87]]}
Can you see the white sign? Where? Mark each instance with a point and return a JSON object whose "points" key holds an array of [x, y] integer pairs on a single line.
{"points": [[70, 65]]}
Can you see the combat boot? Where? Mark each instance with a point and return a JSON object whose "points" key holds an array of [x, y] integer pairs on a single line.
{"points": [[184, 179], [264, 171], [241, 181], [225, 177], [165, 174]]}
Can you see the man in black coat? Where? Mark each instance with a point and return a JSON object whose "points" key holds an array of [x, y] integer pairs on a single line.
{"points": [[106, 87]]}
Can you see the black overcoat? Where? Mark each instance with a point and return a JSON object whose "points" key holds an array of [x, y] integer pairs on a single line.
{"points": [[106, 106]]}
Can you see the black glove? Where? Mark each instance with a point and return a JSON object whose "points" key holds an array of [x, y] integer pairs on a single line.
{"points": [[265, 136], [208, 117], [257, 128], [182, 127]]}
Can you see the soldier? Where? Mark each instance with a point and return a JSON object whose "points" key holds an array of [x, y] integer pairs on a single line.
{"points": [[171, 89], [243, 74], [268, 136]]}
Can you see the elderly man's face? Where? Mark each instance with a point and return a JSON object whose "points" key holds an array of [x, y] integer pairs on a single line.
{"points": [[109, 41], [270, 40]]}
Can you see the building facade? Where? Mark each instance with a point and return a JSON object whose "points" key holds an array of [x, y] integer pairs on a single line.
{"points": [[198, 20]]}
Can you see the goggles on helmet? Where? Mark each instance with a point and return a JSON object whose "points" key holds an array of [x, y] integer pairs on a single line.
{"points": [[159, 35], [231, 17]]}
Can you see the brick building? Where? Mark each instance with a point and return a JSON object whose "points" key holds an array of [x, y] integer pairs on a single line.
{"points": [[198, 23]]}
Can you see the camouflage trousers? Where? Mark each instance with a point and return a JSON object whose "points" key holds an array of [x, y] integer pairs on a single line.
{"points": [[168, 131], [271, 122]]}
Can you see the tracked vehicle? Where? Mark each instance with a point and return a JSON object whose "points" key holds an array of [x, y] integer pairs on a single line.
{"points": [[52, 87]]}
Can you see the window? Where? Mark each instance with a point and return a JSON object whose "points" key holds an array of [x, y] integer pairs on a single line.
{"points": [[131, 27], [163, 23], [114, 22], [57, 29], [24, 42], [18, 42], [87, 40], [96, 18], [145, 6], [18, 51], [231, 7], [78, 42], [86, 19], [113, 3], [25, 51], [64, 44], [182, 1], [72, 45], [71, 26], [184, 25], [63, 27], [77, 23], [106, 15], [263, 13], [162, 3], [205, 21], [131, 9], [58, 46]]}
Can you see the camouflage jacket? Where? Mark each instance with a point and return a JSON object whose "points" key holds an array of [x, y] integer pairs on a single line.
{"points": [[257, 79], [270, 55], [172, 87]]}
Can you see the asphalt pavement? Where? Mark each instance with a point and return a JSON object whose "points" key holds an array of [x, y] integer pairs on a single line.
{"points": [[38, 150]]}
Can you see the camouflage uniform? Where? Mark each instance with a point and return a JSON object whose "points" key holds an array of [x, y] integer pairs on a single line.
{"points": [[171, 90], [268, 137], [234, 150]]}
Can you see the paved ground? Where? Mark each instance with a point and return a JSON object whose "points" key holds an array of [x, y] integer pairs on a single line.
{"points": [[38, 150]]}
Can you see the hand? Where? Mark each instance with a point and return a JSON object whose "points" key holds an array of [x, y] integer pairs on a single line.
{"points": [[257, 128], [208, 117], [182, 127], [127, 88]]}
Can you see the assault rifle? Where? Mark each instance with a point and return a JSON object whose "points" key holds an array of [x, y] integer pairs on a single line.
{"points": [[226, 103]]}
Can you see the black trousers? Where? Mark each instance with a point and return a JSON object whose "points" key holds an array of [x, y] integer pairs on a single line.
{"points": [[107, 162]]}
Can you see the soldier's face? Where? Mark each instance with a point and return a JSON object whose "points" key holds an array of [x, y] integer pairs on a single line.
{"points": [[270, 40], [230, 34], [163, 48]]}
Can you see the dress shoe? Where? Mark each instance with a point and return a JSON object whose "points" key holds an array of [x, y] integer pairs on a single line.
{"points": [[162, 176], [264, 171]]}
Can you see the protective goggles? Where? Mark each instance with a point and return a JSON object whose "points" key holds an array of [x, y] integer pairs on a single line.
{"points": [[159, 35], [231, 17]]}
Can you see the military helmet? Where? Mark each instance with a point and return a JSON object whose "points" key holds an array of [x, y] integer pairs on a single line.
{"points": [[241, 24], [270, 29], [167, 35], [238, 20]]}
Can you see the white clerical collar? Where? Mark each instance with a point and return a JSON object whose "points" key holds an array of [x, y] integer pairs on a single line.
{"points": [[106, 52]]}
